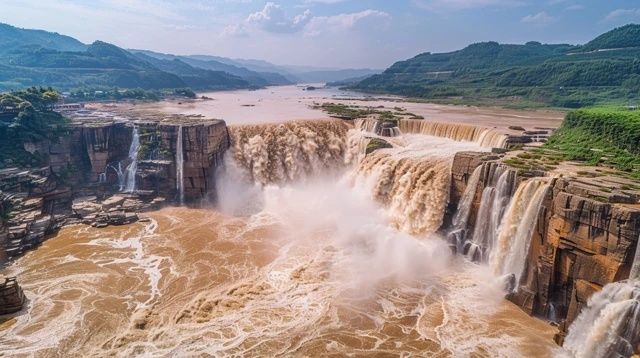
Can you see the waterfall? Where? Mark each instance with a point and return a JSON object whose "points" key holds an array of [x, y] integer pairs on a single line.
{"points": [[512, 247], [459, 224], [479, 243], [485, 137], [180, 166], [414, 190], [132, 168], [498, 181], [635, 267], [377, 127], [291, 151], [121, 176], [610, 324], [495, 197]]}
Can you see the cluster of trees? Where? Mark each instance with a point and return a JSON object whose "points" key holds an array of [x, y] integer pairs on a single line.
{"points": [[621, 37], [116, 94], [27, 116]]}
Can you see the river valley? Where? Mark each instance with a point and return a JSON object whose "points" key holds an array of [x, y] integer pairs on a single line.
{"points": [[316, 245]]}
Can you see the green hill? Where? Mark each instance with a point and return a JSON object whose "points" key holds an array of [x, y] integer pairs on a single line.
{"points": [[621, 37], [532, 74], [12, 37], [253, 78], [39, 58]]}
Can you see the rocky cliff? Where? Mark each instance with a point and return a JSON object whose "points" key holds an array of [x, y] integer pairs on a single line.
{"points": [[584, 238], [85, 168]]}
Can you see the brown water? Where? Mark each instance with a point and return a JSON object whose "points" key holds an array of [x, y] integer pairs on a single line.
{"points": [[197, 282], [329, 263], [286, 103]]}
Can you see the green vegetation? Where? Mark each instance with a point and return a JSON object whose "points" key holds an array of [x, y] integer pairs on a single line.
{"points": [[530, 75], [116, 94], [27, 116], [622, 37], [375, 144], [151, 145], [40, 58], [345, 112], [607, 136]]}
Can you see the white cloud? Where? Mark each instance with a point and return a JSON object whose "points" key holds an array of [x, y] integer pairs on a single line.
{"points": [[443, 5], [540, 18], [272, 18], [623, 15], [344, 21]]}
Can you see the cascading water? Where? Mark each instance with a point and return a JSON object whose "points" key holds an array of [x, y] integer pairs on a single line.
{"points": [[512, 247], [497, 181], [485, 137], [180, 166], [121, 175], [495, 197], [379, 127], [610, 324], [459, 224], [292, 151], [132, 168], [414, 190]]}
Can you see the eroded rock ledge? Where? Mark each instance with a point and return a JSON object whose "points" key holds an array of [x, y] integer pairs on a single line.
{"points": [[585, 237], [82, 181]]}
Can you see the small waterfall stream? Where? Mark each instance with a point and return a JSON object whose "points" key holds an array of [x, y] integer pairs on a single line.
{"points": [[180, 166], [132, 168], [459, 225], [121, 175]]}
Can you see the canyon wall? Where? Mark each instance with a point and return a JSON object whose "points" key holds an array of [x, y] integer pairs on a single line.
{"points": [[85, 168], [584, 238]]}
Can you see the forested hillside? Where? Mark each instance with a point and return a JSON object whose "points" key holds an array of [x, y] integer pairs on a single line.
{"points": [[39, 58], [532, 74]]}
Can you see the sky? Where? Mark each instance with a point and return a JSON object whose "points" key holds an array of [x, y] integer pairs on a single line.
{"points": [[322, 33]]}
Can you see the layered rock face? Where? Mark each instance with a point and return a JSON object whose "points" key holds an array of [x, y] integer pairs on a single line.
{"points": [[579, 246], [87, 166], [580, 242], [203, 148]]}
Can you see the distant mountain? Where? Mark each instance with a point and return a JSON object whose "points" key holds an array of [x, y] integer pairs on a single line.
{"points": [[326, 76], [212, 63], [295, 74], [621, 37], [13, 37], [40, 58], [196, 77], [558, 75]]}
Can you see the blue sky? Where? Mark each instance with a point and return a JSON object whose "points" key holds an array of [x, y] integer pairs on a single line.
{"points": [[328, 33]]}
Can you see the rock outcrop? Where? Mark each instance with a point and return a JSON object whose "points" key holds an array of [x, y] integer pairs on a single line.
{"points": [[204, 145], [85, 168], [585, 237], [11, 296]]}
